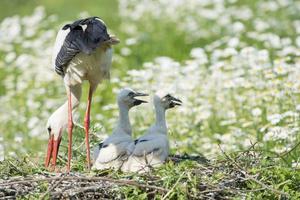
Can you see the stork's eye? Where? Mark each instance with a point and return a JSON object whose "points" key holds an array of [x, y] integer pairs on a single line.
{"points": [[49, 129], [130, 94]]}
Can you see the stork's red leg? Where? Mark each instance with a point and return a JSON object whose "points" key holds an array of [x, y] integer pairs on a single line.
{"points": [[49, 150], [70, 128], [87, 126]]}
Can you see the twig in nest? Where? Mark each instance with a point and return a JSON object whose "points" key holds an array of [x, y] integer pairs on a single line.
{"points": [[212, 190], [289, 151], [243, 171], [118, 182], [248, 150], [53, 187]]}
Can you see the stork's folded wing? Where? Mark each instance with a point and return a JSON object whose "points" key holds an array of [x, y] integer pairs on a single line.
{"points": [[84, 36], [145, 147]]}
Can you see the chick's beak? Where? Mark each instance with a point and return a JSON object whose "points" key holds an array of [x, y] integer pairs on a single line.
{"points": [[139, 101], [113, 40], [176, 101]]}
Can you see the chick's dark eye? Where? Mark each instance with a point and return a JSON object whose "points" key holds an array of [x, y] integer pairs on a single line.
{"points": [[130, 93]]}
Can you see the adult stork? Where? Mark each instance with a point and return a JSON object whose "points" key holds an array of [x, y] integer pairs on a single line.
{"points": [[82, 51]]}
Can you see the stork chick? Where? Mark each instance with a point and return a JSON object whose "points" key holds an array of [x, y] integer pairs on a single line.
{"points": [[110, 152], [152, 149], [82, 51]]}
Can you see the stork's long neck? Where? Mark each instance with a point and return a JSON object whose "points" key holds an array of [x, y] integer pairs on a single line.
{"points": [[160, 113], [124, 123]]}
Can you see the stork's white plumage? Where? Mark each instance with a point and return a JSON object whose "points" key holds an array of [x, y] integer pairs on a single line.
{"points": [[109, 153], [151, 149], [82, 51]]}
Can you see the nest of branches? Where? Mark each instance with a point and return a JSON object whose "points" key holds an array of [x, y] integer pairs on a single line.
{"points": [[234, 176]]}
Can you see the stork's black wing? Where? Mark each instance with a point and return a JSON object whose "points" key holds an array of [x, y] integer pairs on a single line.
{"points": [[85, 36]]}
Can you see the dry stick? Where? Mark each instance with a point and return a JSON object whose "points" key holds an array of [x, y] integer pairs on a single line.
{"points": [[229, 190], [212, 190], [79, 146], [272, 152], [243, 171], [133, 183], [82, 190], [171, 190], [53, 187], [90, 131], [119, 182], [249, 149], [292, 149], [8, 197]]}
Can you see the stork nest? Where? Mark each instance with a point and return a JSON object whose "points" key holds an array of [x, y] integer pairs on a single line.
{"points": [[80, 185], [107, 186]]}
